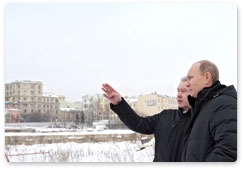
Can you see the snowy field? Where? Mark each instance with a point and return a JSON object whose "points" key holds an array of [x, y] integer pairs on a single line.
{"points": [[81, 152], [125, 151]]}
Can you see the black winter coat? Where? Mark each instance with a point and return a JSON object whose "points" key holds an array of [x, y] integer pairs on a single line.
{"points": [[212, 133], [168, 128]]}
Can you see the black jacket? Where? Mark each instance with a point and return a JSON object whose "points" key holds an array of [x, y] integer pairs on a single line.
{"points": [[212, 132], [167, 126]]}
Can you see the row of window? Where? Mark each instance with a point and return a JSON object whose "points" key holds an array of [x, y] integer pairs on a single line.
{"points": [[39, 99], [23, 93], [39, 111], [39, 106], [25, 86], [152, 102]]}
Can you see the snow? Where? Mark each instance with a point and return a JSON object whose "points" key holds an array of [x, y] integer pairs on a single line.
{"points": [[63, 131], [81, 152], [125, 151]]}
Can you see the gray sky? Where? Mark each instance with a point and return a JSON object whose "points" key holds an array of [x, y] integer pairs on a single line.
{"points": [[136, 47]]}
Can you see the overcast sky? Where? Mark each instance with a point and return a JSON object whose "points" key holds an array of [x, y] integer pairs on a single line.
{"points": [[136, 47]]}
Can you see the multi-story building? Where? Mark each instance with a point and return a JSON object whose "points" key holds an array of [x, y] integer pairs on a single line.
{"points": [[31, 99], [154, 103], [71, 112], [104, 110], [132, 101], [97, 107]]}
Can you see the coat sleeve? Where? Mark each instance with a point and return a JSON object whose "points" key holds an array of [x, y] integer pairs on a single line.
{"points": [[223, 129], [144, 125]]}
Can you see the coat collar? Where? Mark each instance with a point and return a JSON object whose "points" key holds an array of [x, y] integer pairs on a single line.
{"points": [[184, 114], [206, 93]]}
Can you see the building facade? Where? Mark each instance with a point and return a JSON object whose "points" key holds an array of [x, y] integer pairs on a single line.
{"points": [[150, 104], [31, 99], [97, 107]]}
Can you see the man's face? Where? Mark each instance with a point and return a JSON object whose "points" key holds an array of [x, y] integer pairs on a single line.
{"points": [[182, 93], [195, 80]]}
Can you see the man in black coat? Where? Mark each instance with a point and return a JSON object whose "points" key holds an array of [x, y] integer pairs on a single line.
{"points": [[211, 135], [168, 126]]}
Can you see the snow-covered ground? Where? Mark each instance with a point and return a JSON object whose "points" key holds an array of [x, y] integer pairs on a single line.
{"points": [[125, 151], [81, 152]]}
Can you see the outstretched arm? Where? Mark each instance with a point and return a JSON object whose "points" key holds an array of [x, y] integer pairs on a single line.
{"points": [[126, 114]]}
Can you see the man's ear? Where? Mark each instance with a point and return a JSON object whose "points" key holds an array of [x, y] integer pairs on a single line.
{"points": [[208, 78]]}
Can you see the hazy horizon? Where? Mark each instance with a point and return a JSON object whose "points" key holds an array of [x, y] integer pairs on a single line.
{"points": [[73, 48]]}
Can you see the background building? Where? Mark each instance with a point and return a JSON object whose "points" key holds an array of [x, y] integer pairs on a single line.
{"points": [[97, 108], [150, 104], [12, 112], [71, 114], [36, 106], [33, 103]]}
